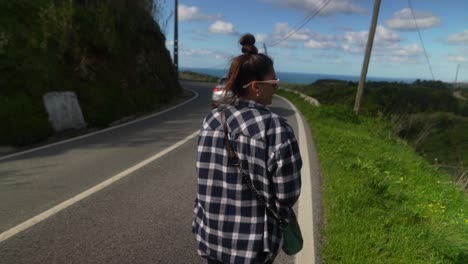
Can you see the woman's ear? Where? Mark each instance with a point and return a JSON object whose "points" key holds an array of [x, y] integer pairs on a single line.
{"points": [[256, 89]]}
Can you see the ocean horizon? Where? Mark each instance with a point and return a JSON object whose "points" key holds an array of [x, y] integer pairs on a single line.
{"points": [[302, 78]]}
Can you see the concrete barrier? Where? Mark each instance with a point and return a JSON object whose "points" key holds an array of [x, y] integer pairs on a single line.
{"points": [[307, 98], [64, 111]]}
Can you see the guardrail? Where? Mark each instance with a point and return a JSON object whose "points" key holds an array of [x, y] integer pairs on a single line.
{"points": [[307, 98]]}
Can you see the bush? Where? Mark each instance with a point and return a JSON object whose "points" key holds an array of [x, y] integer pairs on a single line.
{"points": [[387, 97], [424, 113], [463, 109], [24, 120], [440, 136]]}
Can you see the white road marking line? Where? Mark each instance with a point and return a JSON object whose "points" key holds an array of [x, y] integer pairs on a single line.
{"points": [[44, 215], [305, 210], [101, 131]]}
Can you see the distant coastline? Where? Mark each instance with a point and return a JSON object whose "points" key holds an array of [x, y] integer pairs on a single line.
{"points": [[303, 78]]}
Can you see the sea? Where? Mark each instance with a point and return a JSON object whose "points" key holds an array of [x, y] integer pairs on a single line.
{"points": [[302, 78]]}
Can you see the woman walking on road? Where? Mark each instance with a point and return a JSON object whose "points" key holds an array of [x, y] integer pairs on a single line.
{"points": [[231, 222]]}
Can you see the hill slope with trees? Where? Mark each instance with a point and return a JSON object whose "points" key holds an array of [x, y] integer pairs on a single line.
{"points": [[423, 113], [111, 53]]}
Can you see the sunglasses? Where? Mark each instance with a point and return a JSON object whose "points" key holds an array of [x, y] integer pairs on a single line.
{"points": [[272, 82]]}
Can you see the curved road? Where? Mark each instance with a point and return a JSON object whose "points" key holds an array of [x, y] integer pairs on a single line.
{"points": [[143, 216]]}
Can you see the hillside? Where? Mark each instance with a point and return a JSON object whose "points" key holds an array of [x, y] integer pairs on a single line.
{"points": [[425, 114], [382, 202], [111, 53]]}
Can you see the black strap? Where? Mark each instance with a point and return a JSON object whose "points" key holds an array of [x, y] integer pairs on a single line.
{"points": [[234, 158]]}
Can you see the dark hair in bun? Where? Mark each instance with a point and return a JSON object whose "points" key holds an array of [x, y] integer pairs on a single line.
{"points": [[249, 66], [248, 44]]}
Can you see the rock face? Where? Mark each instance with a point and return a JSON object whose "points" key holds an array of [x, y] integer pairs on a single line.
{"points": [[111, 54], [64, 111]]}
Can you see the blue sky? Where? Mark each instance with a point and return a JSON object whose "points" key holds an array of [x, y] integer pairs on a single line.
{"points": [[333, 42]]}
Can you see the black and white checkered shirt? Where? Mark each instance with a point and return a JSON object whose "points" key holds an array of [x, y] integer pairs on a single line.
{"points": [[230, 224]]}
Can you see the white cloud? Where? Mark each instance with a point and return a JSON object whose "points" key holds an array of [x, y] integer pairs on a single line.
{"points": [[193, 13], [308, 6], [411, 53], [404, 51], [222, 27], [382, 36], [315, 44], [261, 38], [459, 38], [282, 30], [204, 53], [404, 20], [356, 37], [386, 46], [457, 58], [196, 52], [352, 49], [284, 36]]}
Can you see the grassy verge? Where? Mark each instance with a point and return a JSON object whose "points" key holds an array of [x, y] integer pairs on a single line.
{"points": [[382, 202]]}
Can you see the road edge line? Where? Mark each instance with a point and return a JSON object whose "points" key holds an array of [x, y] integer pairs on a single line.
{"points": [[305, 206]]}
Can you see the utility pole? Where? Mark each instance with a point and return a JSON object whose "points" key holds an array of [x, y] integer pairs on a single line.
{"points": [[456, 77], [265, 48], [365, 66], [176, 40]]}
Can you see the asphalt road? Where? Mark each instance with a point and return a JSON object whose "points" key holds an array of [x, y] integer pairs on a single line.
{"points": [[142, 218]]}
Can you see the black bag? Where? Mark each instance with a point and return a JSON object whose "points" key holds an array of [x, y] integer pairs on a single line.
{"points": [[292, 236]]}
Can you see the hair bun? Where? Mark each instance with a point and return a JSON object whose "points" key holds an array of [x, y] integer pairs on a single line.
{"points": [[248, 44]]}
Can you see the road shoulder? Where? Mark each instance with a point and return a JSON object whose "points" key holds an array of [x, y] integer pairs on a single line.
{"points": [[310, 201]]}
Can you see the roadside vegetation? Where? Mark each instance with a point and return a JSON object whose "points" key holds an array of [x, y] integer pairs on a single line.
{"points": [[464, 92], [194, 76], [111, 53], [425, 114], [383, 203]]}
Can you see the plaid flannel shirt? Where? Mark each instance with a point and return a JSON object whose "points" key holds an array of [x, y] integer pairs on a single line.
{"points": [[229, 222]]}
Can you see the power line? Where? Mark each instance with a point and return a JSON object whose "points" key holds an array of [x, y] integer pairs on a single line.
{"points": [[302, 23], [306, 20], [422, 42]]}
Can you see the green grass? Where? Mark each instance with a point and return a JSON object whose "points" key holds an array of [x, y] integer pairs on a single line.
{"points": [[383, 203]]}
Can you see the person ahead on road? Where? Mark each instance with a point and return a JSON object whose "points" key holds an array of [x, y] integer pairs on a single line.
{"points": [[230, 224]]}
